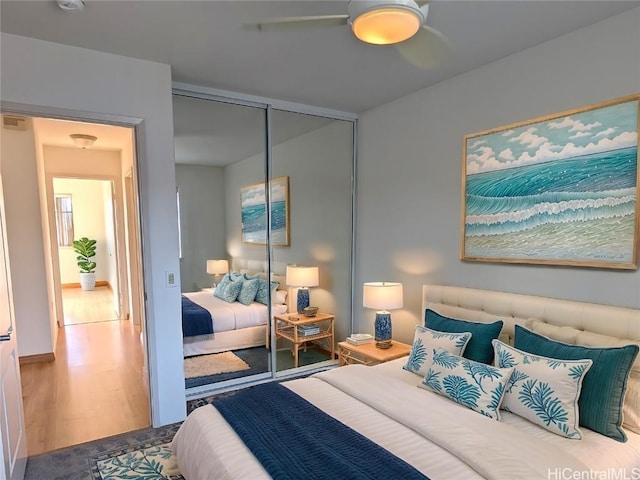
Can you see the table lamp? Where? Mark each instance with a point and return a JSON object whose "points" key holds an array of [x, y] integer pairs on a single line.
{"points": [[302, 277], [382, 296], [216, 268]]}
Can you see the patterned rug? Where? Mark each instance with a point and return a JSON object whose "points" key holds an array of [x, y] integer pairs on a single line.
{"points": [[140, 455], [213, 364]]}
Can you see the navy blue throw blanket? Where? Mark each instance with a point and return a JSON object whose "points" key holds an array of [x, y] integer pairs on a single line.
{"points": [[195, 319], [295, 440]]}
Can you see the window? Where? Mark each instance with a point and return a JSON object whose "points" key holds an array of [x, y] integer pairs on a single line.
{"points": [[179, 226], [64, 220]]}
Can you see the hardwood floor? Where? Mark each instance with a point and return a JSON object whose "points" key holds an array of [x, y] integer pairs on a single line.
{"points": [[94, 388], [87, 306]]}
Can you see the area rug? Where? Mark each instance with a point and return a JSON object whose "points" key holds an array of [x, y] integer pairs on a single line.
{"points": [[141, 455], [213, 364], [256, 357]]}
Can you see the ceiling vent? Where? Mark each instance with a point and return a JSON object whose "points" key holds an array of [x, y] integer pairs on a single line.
{"points": [[13, 122]]}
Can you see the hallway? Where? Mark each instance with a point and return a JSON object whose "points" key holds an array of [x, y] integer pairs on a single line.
{"points": [[94, 388]]}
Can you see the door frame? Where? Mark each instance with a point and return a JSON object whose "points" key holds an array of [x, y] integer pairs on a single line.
{"points": [[138, 142]]}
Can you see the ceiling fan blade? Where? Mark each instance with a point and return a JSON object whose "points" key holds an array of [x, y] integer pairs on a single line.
{"points": [[286, 23], [426, 49]]}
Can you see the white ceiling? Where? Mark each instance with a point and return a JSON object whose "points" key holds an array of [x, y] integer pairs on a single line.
{"points": [[56, 133], [207, 44]]}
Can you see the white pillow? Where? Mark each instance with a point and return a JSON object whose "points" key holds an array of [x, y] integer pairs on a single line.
{"points": [[543, 390], [425, 340], [475, 385], [279, 297]]}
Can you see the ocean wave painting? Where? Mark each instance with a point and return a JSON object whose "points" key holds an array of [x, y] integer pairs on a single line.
{"points": [[254, 212], [558, 190]]}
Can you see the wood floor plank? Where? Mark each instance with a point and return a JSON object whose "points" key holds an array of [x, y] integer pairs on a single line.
{"points": [[93, 389]]}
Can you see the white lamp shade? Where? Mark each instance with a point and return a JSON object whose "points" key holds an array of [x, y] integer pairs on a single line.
{"points": [[302, 276], [386, 25], [217, 267], [382, 295]]}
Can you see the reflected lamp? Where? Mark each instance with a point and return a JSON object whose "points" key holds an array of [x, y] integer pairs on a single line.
{"points": [[217, 268], [382, 296], [303, 278]]}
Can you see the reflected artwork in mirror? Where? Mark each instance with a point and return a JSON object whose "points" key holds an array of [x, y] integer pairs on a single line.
{"points": [[254, 212]]}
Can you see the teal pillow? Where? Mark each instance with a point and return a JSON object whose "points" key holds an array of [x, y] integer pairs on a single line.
{"points": [[479, 347], [226, 280], [604, 385], [477, 386], [230, 291], [262, 295], [248, 291]]}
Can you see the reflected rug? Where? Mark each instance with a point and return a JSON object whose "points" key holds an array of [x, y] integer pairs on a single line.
{"points": [[213, 364]]}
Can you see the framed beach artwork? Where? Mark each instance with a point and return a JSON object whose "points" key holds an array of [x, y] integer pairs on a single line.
{"points": [[254, 212], [559, 190]]}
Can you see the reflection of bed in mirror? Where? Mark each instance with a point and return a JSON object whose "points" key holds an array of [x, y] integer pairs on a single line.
{"points": [[235, 325]]}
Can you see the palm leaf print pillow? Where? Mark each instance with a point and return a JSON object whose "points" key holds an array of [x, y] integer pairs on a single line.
{"points": [[475, 385], [425, 340], [543, 390]]}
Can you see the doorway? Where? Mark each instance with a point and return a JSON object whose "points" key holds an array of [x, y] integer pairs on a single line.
{"points": [[84, 208], [93, 383]]}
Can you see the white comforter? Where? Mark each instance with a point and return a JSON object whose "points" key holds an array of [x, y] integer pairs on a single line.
{"points": [[440, 438], [233, 316]]}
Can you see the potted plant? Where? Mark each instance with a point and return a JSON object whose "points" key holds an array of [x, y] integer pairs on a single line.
{"points": [[86, 248]]}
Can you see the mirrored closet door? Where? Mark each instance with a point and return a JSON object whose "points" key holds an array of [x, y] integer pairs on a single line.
{"points": [[219, 151], [265, 200], [311, 168]]}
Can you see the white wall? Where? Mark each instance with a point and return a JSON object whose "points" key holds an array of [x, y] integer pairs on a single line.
{"points": [[319, 168], [409, 176], [25, 241], [110, 250], [202, 222], [93, 83]]}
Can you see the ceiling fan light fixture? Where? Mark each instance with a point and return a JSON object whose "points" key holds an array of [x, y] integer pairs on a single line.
{"points": [[386, 25], [83, 141]]}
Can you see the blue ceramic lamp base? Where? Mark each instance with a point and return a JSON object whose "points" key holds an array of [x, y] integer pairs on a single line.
{"points": [[383, 329], [303, 299]]}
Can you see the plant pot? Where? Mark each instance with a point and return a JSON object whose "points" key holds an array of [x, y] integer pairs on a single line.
{"points": [[87, 281]]}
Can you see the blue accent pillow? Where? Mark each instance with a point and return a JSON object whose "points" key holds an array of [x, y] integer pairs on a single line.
{"points": [[230, 291], [262, 295], [226, 280], [248, 291], [604, 385], [425, 340], [543, 390], [475, 385], [479, 347]]}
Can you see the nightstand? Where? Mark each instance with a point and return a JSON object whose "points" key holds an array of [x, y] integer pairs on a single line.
{"points": [[369, 354], [287, 326]]}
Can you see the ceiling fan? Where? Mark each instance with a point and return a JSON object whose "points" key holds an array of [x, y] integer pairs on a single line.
{"points": [[401, 23]]}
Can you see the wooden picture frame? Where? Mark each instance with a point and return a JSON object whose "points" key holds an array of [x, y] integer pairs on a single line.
{"points": [[559, 190], [254, 212]]}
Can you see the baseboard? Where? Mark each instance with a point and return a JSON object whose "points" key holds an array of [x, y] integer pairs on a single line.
{"points": [[39, 358], [99, 283]]}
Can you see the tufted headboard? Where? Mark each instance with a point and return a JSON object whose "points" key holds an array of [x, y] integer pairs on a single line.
{"points": [[592, 321]]}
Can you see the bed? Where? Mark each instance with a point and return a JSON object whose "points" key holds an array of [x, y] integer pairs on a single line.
{"points": [[235, 325], [431, 433]]}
